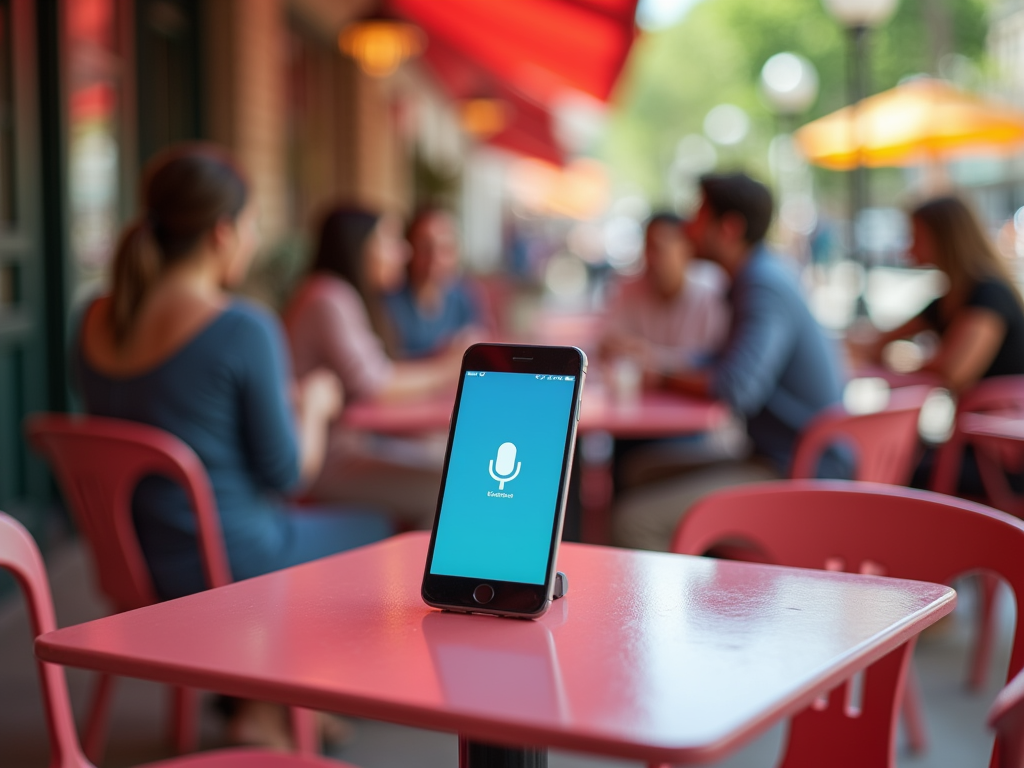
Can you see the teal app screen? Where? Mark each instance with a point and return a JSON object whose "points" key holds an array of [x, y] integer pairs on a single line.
{"points": [[501, 492]]}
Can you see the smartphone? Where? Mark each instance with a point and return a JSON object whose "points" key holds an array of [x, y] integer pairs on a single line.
{"points": [[503, 491]]}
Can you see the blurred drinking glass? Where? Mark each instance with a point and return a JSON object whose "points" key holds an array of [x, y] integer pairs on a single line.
{"points": [[626, 379]]}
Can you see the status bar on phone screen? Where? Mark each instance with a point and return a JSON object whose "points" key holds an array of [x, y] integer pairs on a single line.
{"points": [[538, 376]]}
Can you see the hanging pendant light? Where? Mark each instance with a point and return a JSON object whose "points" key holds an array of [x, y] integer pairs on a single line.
{"points": [[380, 44], [483, 116]]}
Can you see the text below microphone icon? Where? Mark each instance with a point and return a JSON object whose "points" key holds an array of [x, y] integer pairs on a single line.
{"points": [[505, 469]]}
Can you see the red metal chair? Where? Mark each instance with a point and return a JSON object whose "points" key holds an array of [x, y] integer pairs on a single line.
{"points": [[1006, 717], [19, 555], [886, 447], [1000, 393], [98, 463], [863, 528], [998, 444], [885, 442]]}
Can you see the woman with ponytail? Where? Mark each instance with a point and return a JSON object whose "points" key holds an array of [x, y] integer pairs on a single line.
{"points": [[172, 348]]}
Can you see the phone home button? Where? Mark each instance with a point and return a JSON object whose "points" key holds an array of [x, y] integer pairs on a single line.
{"points": [[483, 594]]}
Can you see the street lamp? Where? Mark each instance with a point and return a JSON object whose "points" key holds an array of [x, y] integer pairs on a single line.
{"points": [[861, 13], [789, 83], [858, 17]]}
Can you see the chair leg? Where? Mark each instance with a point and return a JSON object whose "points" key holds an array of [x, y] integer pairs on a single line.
{"points": [[304, 731], [988, 585], [94, 739], [184, 720], [913, 714], [840, 737]]}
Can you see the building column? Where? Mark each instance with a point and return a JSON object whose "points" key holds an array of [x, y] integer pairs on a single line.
{"points": [[246, 64]]}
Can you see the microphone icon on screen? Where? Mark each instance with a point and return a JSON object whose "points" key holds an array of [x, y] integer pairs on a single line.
{"points": [[505, 466]]}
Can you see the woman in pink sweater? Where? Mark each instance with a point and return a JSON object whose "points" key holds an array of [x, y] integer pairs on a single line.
{"points": [[334, 321]]}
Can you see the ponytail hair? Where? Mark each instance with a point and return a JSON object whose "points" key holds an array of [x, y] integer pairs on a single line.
{"points": [[186, 192], [136, 269]]}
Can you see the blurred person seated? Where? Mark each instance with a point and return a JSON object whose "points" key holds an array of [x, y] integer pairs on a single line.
{"points": [[777, 368], [336, 321], [170, 347], [979, 320], [436, 306], [672, 317]]}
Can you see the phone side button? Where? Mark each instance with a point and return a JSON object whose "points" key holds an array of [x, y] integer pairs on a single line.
{"points": [[483, 594]]}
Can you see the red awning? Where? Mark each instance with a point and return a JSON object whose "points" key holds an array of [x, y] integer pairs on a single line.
{"points": [[537, 47], [529, 128]]}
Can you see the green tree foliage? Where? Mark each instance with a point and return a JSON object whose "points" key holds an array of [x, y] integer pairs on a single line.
{"points": [[715, 55]]}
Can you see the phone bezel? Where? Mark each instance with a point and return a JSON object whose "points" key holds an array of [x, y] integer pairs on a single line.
{"points": [[511, 598]]}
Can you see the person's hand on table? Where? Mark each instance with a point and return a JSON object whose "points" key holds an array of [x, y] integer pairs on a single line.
{"points": [[319, 395], [864, 345], [450, 359], [318, 400]]}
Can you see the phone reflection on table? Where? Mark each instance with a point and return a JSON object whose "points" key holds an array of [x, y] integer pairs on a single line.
{"points": [[476, 656]]}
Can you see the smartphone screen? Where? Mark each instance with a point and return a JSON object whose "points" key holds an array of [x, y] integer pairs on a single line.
{"points": [[501, 497], [503, 489]]}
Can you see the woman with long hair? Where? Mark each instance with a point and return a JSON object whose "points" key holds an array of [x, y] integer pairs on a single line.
{"points": [[980, 319], [169, 346], [336, 321]]}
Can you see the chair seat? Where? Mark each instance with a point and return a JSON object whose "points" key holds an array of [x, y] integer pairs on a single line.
{"points": [[248, 758]]}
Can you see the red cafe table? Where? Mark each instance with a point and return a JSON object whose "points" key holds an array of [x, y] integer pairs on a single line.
{"points": [[650, 656]]}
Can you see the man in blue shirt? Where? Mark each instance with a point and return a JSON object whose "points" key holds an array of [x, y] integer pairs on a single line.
{"points": [[777, 369], [437, 306]]}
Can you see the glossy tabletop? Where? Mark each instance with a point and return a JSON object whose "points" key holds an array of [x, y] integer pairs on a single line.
{"points": [[650, 656], [653, 414]]}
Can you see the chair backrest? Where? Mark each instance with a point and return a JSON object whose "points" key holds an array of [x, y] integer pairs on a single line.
{"points": [[98, 463], [1007, 718], [20, 556], [885, 442], [999, 449], [1000, 393], [864, 528]]}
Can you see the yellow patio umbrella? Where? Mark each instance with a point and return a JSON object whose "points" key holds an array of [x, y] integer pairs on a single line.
{"points": [[923, 120]]}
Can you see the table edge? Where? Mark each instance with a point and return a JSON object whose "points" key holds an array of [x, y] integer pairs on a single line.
{"points": [[488, 730]]}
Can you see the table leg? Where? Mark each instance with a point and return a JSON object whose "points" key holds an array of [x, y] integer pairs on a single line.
{"points": [[474, 754]]}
